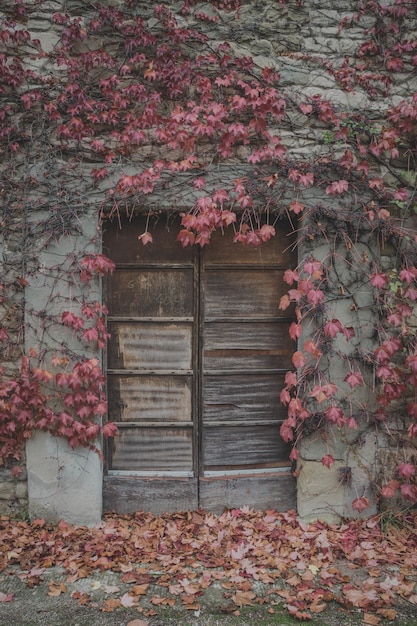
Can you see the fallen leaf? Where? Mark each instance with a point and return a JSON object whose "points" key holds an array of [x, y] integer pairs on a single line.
{"points": [[6, 597], [243, 598], [156, 600], [82, 598], [390, 614], [140, 590], [111, 588], [298, 613], [127, 601], [371, 619], [110, 605], [317, 607], [56, 589], [137, 622]]}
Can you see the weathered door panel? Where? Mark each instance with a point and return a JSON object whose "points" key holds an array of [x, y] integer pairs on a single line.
{"points": [[151, 371], [246, 351], [242, 293], [196, 361]]}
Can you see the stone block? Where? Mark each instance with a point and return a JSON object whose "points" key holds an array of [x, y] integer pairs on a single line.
{"points": [[320, 495], [63, 483]]}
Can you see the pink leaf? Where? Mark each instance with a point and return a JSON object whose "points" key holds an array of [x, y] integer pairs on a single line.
{"points": [[199, 183], [360, 504], [299, 359], [409, 492], [286, 431], [379, 280], [327, 460], [6, 597], [332, 327], [389, 490], [337, 187], [90, 334], [296, 207], [354, 379], [109, 429], [406, 470], [295, 331], [266, 232], [284, 303], [335, 415], [315, 296], [145, 238], [290, 276], [306, 108], [311, 348]]}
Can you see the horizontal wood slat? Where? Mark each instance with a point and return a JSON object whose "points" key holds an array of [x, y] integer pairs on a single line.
{"points": [[159, 495], [232, 346], [277, 251], [247, 294], [260, 491], [151, 293], [242, 397]]}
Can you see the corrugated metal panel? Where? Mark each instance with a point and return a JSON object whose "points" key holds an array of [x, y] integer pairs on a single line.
{"points": [[150, 398], [243, 446], [153, 449], [151, 346]]}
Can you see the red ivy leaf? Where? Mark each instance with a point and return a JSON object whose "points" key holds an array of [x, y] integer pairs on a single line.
{"points": [[360, 504], [145, 238], [337, 187], [327, 460], [406, 470], [354, 379]]}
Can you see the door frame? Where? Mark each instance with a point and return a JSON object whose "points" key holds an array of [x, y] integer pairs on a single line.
{"points": [[127, 492]]}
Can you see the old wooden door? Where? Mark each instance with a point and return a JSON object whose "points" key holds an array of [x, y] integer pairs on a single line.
{"points": [[195, 364]]}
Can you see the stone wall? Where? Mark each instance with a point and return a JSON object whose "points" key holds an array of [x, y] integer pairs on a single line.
{"points": [[274, 34]]}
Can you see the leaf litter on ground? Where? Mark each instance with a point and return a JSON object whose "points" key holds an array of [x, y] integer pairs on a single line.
{"points": [[254, 557]]}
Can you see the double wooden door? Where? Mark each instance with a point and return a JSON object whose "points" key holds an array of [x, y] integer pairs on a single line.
{"points": [[195, 365]]}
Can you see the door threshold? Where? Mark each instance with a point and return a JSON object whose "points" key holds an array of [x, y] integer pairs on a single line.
{"points": [[246, 472]]}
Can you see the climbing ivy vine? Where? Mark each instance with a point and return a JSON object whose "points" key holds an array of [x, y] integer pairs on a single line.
{"points": [[127, 103]]}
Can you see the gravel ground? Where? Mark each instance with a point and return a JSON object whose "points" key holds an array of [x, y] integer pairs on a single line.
{"points": [[32, 606]]}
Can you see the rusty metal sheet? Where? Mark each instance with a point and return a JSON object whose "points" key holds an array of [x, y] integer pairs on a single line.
{"points": [[147, 449], [150, 346], [150, 398]]}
